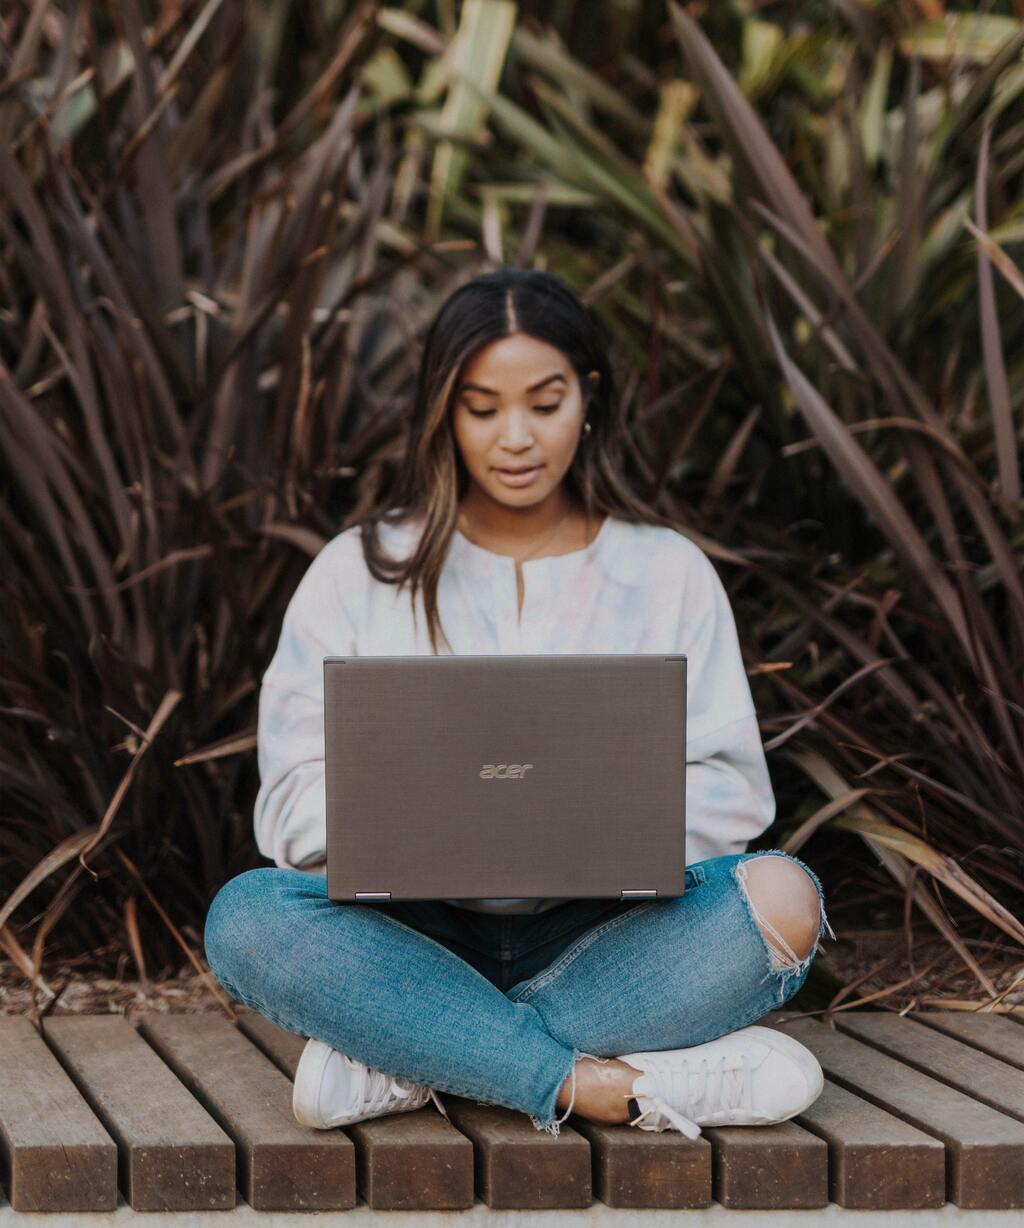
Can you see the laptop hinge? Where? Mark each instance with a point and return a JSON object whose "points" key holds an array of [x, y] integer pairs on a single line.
{"points": [[373, 895], [639, 894]]}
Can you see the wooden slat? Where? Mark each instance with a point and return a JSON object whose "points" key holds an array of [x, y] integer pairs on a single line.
{"points": [[55, 1153], [985, 1149], [976, 1074], [283, 1048], [518, 1166], [876, 1161], [634, 1168], [282, 1166], [172, 1154], [413, 1161], [992, 1034], [767, 1167]]}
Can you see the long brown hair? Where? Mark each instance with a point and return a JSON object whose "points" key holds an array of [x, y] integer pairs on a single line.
{"points": [[432, 477]]}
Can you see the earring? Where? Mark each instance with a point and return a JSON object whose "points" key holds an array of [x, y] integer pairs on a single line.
{"points": [[586, 428]]}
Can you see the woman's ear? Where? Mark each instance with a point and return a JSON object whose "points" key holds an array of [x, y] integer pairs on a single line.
{"points": [[590, 387]]}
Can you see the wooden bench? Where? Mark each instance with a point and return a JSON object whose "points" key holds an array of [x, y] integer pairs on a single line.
{"points": [[187, 1112]]}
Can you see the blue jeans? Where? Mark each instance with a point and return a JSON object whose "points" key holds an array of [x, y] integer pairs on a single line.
{"points": [[499, 1008]]}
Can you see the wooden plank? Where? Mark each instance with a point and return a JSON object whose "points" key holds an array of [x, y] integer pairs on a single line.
{"points": [[976, 1074], [985, 1149], [876, 1161], [282, 1165], [518, 1166], [54, 1152], [413, 1161], [992, 1034], [283, 1048], [634, 1168], [404, 1162], [768, 1167], [172, 1155]]}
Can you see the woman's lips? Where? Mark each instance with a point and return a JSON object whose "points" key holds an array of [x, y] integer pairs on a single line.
{"points": [[518, 479]]}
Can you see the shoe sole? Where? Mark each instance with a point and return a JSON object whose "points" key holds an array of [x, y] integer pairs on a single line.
{"points": [[309, 1074]]}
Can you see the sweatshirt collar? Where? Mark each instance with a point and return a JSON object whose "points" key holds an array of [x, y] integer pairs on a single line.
{"points": [[614, 550], [490, 559]]}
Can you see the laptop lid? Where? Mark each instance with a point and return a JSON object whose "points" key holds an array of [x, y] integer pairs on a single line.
{"points": [[509, 776]]}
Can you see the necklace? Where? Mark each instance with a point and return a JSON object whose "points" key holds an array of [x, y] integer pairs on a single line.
{"points": [[544, 541]]}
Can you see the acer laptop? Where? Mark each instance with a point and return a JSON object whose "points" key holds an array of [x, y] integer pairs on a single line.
{"points": [[511, 776]]}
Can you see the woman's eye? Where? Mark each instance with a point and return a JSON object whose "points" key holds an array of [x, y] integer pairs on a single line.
{"points": [[486, 413]]}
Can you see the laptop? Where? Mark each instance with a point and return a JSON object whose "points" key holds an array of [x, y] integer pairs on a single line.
{"points": [[505, 776]]}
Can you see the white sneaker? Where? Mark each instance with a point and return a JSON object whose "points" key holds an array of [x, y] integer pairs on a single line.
{"points": [[753, 1077], [334, 1090]]}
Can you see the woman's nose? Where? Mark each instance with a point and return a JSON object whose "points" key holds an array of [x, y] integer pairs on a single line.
{"points": [[516, 432]]}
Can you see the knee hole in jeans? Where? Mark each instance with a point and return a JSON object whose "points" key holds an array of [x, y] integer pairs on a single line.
{"points": [[785, 903]]}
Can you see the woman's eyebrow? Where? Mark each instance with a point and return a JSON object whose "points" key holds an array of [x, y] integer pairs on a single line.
{"points": [[467, 387]]}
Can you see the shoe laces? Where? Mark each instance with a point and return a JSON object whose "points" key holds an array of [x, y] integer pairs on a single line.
{"points": [[703, 1089], [378, 1091]]}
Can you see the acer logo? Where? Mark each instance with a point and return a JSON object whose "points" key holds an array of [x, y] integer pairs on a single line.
{"points": [[504, 771]]}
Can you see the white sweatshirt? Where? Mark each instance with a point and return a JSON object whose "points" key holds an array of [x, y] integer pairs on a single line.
{"points": [[636, 588]]}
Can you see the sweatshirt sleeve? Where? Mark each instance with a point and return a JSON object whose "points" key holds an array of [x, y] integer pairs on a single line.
{"points": [[729, 797], [289, 819]]}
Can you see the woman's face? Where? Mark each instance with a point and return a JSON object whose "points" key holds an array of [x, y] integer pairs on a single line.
{"points": [[518, 404]]}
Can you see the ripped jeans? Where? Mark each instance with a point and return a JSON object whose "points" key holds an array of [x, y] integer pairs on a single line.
{"points": [[498, 1008]]}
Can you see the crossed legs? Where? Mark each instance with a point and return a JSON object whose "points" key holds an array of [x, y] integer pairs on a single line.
{"points": [[660, 975]]}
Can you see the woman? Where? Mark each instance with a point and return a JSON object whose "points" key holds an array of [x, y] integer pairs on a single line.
{"points": [[515, 526]]}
